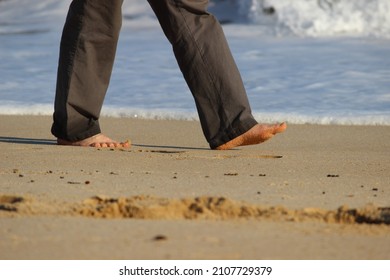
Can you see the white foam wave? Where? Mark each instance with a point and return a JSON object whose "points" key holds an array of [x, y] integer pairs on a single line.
{"points": [[308, 18], [314, 18], [174, 114], [14, 108]]}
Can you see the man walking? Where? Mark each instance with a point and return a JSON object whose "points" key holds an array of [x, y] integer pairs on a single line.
{"points": [[87, 54]]}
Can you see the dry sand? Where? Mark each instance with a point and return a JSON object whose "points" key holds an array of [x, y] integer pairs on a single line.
{"points": [[314, 192]]}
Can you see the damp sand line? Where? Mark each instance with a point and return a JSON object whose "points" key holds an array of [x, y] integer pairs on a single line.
{"points": [[197, 208]]}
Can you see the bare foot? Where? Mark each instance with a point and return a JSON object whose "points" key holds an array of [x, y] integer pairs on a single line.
{"points": [[97, 141], [256, 135]]}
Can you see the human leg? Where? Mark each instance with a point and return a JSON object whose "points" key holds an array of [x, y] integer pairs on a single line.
{"points": [[208, 67], [87, 53]]}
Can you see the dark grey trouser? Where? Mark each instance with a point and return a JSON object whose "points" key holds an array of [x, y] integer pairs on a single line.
{"points": [[87, 53]]}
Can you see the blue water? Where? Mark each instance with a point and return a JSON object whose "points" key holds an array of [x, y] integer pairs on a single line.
{"points": [[314, 77]]}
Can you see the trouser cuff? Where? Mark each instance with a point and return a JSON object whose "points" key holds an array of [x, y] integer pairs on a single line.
{"points": [[234, 132]]}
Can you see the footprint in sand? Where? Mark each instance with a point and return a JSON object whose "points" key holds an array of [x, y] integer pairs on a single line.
{"points": [[9, 202]]}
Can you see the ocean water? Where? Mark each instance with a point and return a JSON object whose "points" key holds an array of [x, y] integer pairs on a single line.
{"points": [[302, 61]]}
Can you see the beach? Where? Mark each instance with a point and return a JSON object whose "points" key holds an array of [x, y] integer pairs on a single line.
{"points": [[319, 191], [313, 192]]}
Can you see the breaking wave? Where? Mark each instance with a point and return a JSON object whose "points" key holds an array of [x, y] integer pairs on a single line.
{"points": [[312, 18]]}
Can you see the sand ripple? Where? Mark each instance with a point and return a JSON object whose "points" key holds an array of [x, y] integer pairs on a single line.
{"points": [[206, 208]]}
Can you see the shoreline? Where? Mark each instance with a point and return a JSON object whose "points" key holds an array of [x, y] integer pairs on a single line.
{"points": [[312, 167]]}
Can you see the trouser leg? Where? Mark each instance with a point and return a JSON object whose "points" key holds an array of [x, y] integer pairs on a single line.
{"points": [[87, 53], [208, 67]]}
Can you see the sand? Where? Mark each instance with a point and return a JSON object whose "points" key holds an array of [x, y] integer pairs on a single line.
{"points": [[313, 192]]}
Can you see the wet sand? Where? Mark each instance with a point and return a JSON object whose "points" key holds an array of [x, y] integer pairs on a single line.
{"points": [[313, 192]]}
